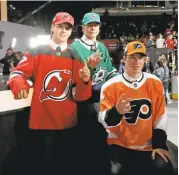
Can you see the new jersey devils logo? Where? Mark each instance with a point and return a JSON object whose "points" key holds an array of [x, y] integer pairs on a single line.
{"points": [[140, 108], [56, 85], [65, 17]]}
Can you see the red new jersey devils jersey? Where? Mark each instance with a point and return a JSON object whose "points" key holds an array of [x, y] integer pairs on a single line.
{"points": [[53, 76]]}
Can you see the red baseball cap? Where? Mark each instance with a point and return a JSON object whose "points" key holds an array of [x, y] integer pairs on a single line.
{"points": [[63, 17]]}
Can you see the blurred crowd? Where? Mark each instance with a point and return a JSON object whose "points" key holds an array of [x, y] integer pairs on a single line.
{"points": [[138, 27], [10, 61]]}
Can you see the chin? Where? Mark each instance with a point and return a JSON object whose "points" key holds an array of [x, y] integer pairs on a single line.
{"points": [[62, 39], [137, 71], [93, 36]]}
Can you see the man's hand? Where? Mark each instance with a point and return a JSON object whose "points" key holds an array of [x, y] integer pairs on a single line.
{"points": [[94, 59], [123, 104], [22, 94], [84, 73], [163, 153]]}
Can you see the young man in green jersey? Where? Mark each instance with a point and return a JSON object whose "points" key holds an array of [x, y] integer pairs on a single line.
{"points": [[93, 136]]}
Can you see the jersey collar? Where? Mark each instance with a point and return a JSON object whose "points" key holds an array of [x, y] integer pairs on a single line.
{"points": [[54, 46], [130, 79], [88, 41], [89, 44]]}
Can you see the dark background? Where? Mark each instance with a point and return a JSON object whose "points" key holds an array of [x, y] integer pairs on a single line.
{"points": [[44, 17]]}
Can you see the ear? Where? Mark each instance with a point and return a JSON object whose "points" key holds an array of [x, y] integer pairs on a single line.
{"points": [[70, 32], [52, 27], [124, 58], [83, 28]]}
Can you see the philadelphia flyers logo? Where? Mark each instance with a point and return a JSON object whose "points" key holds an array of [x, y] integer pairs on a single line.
{"points": [[140, 108], [135, 46], [56, 85]]}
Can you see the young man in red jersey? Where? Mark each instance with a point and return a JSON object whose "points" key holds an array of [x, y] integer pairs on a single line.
{"points": [[54, 70]]}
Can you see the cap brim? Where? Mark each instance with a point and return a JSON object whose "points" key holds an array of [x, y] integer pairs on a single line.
{"points": [[60, 22], [92, 22], [144, 54]]}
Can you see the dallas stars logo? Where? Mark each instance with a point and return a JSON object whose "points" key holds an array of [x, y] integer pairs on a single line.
{"points": [[93, 16], [99, 75]]}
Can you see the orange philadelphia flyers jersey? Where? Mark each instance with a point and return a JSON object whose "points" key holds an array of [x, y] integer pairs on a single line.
{"points": [[134, 129]]}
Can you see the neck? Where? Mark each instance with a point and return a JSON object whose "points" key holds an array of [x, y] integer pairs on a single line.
{"points": [[91, 39], [134, 76], [58, 42]]}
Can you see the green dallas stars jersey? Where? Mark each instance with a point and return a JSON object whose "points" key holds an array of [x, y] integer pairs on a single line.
{"points": [[104, 70]]}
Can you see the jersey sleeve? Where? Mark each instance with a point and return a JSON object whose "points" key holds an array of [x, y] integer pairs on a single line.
{"points": [[112, 71], [108, 114], [20, 78]]}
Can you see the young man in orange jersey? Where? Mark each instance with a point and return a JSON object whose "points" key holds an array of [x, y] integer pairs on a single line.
{"points": [[54, 70], [132, 109]]}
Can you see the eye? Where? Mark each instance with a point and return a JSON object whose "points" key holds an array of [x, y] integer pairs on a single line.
{"points": [[67, 28], [59, 26]]}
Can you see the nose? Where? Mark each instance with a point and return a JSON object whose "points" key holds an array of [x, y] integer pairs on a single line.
{"points": [[63, 29], [93, 27], [136, 60]]}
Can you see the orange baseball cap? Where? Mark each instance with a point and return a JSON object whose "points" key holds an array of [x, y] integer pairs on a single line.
{"points": [[63, 17], [135, 47]]}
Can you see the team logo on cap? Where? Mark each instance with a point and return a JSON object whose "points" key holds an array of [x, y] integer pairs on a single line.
{"points": [[65, 17], [137, 46], [93, 16]]}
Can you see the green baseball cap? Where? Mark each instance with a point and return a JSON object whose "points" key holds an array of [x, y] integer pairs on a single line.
{"points": [[91, 17]]}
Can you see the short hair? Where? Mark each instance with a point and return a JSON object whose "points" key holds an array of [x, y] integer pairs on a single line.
{"points": [[160, 63], [10, 49], [19, 53]]}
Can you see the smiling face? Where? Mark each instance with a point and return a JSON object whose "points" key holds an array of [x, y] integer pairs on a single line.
{"points": [[134, 64], [91, 30], [61, 32]]}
